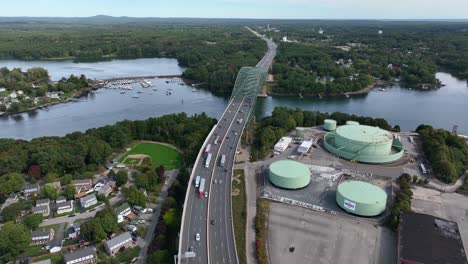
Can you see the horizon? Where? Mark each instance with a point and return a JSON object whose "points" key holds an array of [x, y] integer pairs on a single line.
{"points": [[244, 9]]}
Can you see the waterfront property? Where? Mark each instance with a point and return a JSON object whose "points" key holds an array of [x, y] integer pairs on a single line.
{"points": [[115, 244], [83, 256]]}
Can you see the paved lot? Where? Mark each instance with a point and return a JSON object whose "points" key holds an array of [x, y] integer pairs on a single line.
{"points": [[451, 206], [320, 238]]}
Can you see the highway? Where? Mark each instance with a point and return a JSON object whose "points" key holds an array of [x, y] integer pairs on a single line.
{"points": [[211, 217]]}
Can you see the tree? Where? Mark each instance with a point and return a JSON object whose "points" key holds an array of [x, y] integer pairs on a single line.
{"points": [[121, 178], [111, 173], [98, 232], [160, 257], [66, 179], [170, 218], [11, 212], [69, 191], [14, 238], [34, 171], [33, 221], [12, 182], [160, 171], [50, 191], [136, 197]]}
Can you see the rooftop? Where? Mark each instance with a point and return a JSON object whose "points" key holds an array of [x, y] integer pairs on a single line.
{"points": [[363, 133], [429, 239], [88, 198], [118, 239], [79, 254], [122, 208], [40, 233]]}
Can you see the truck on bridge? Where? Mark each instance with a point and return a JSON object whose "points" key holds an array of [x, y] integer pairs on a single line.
{"points": [[201, 189], [208, 160], [208, 148], [197, 181]]}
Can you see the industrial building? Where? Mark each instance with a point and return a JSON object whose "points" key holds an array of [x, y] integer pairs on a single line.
{"points": [[361, 198], [425, 238], [283, 144], [289, 174], [305, 146], [363, 144]]}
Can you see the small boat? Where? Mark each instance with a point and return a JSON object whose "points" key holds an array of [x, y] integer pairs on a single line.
{"points": [[139, 92], [155, 89], [347, 95], [122, 92], [194, 90], [167, 81], [135, 96]]}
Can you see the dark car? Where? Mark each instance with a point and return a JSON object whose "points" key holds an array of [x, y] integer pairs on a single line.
{"points": [[213, 221], [72, 215], [190, 249]]}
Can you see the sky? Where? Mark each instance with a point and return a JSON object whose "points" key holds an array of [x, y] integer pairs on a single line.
{"points": [[283, 9]]}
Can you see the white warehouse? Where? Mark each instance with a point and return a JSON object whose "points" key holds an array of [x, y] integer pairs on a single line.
{"points": [[305, 146], [283, 144]]}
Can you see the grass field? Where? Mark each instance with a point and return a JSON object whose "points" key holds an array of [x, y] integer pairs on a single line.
{"points": [[160, 154], [239, 211]]}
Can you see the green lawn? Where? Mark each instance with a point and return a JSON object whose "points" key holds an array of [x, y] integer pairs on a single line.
{"points": [[55, 258], [127, 255], [239, 211], [164, 155]]}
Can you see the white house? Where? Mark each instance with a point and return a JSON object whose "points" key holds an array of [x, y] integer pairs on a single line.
{"points": [[13, 95], [124, 240], [105, 190], [42, 209], [65, 207], [20, 92], [43, 202], [99, 184], [60, 199], [82, 256], [88, 201], [122, 211]]}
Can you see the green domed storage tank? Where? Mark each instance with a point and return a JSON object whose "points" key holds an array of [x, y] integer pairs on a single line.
{"points": [[364, 144], [361, 198], [329, 124], [289, 174]]}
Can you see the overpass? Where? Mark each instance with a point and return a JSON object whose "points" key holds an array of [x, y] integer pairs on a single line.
{"points": [[210, 218]]}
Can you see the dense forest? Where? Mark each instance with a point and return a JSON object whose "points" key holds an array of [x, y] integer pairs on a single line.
{"points": [[344, 56], [213, 53], [78, 153], [31, 88], [270, 129], [447, 153]]}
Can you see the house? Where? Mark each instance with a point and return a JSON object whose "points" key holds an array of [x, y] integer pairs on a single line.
{"points": [[31, 189], [52, 95], [99, 184], [120, 166], [65, 207], [12, 198], [428, 239], [115, 244], [20, 92], [105, 190], [2, 89], [43, 209], [13, 95], [60, 199], [88, 201], [83, 256], [83, 185], [122, 211], [74, 230], [131, 228], [43, 202], [41, 237]]}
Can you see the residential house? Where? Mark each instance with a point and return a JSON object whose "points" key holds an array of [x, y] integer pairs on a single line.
{"points": [[42, 209], [88, 201], [43, 202], [83, 185], [2, 89], [122, 211], [12, 198], [83, 256], [65, 207], [60, 199], [99, 184], [74, 230], [20, 92], [115, 244], [52, 95], [13, 95], [105, 190], [42, 236], [31, 189]]}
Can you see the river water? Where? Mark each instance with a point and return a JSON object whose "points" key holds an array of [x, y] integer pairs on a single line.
{"points": [[442, 108]]}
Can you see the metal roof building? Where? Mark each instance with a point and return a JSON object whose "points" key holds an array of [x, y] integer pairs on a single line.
{"points": [[117, 242], [305, 146], [80, 256], [361, 198], [283, 144], [289, 174], [364, 144]]}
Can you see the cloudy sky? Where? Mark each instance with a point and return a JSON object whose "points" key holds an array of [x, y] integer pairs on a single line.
{"points": [[338, 9]]}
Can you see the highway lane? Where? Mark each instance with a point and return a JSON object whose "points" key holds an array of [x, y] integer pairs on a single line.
{"points": [[195, 219], [222, 241]]}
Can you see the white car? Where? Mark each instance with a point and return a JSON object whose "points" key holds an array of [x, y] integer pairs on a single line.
{"points": [[197, 237], [220, 181]]}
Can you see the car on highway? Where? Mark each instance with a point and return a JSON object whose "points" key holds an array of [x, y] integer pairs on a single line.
{"points": [[220, 181], [206, 194], [190, 249], [213, 222], [197, 237]]}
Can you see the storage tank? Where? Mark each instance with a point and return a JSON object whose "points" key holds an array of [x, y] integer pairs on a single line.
{"points": [[289, 174], [329, 124], [352, 123], [364, 144], [361, 198]]}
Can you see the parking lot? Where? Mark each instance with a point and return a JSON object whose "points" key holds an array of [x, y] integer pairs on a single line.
{"points": [[298, 235]]}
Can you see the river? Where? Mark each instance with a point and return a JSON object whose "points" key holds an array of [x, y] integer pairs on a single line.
{"points": [[442, 108]]}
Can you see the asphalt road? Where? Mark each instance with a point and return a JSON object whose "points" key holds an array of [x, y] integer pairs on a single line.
{"points": [[211, 218]]}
